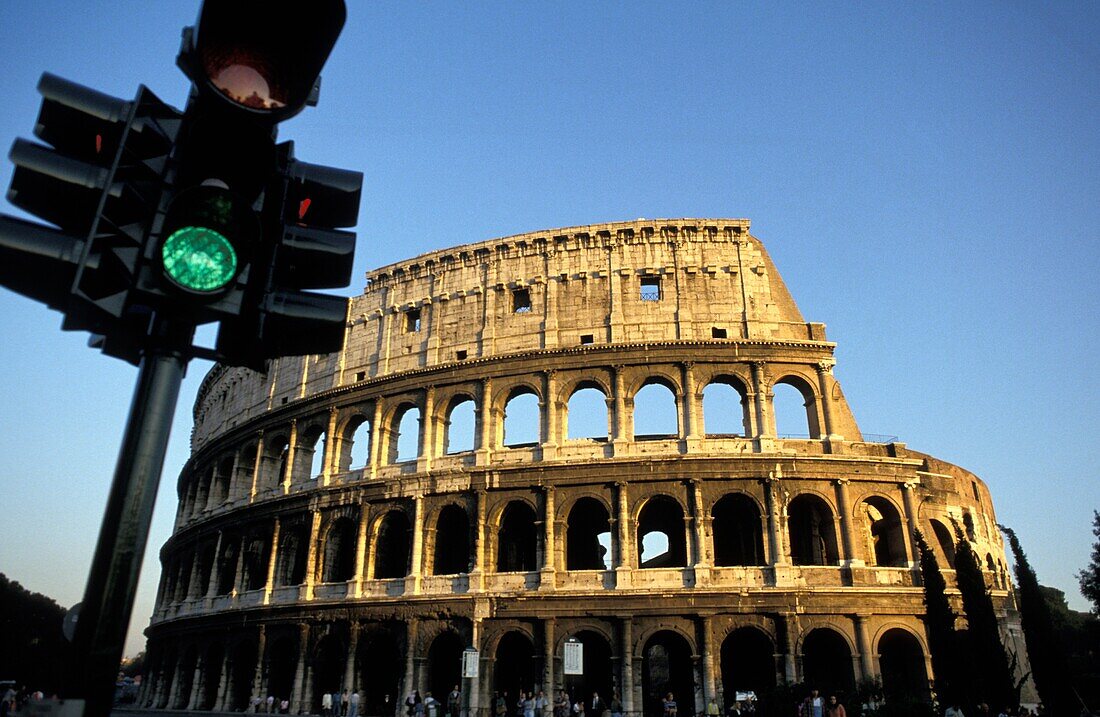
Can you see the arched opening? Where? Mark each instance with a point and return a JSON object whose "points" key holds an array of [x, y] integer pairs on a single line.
{"points": [[667, 668], [186, 678], [661, 539], [205, 557], [274, 460], [748, 663], [521, 419], [444, 664], [212, 665], [356, 448], [452, 542], [514, 668], [290, 565], [655, 412], [391, 548], [243, 666], [328, 670], [886, 539], [794, 408], [405, 445], [725, 408], [516, 539], [598, 673], [339, 563], [458, 431], [587, 414], [282, 655], [380, 671], [826, 661], [316, 457], [738, 537], [169, 675], [223, 476], [946, 543], [255, 564], [901, 661], [588, 536], [227, 566], [812, 531]]}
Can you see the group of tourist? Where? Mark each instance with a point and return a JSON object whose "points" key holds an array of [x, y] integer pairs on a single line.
{"points": [[271, 705], [429, 706]]}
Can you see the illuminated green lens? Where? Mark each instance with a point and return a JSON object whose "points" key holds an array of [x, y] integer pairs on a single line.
{"points": [[199, 259]]}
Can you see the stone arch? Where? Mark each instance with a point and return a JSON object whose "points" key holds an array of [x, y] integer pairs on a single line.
{"points": [[211, 667], [882, 528], [309, 453], [380, 670], [664, 515], [185, 671], [738, 534], [901, 655], [206, 559], [223, 479], [273, 461], [444, 663], [598, 670], [392, 541], [718, 407], [282, 658], [355, 443], [405, 431], [827, 659], [227, 565], [290, 565], [812, 531], [520, 426], [339, 551], [451, 549], [257, 550], [587, 524], [944, 541], [516, 538], [747, 659], [514, 663], [247, 459], [667, 667], [586, 403], [808, 394], [242, 660], [327, 668], [658, 398], [459, 424]]}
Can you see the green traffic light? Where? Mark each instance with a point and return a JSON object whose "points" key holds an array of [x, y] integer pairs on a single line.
{"points": [[199, 259]]}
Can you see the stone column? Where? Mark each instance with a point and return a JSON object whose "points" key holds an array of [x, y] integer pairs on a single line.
{"points": [[257, 467], [775, 538], [485, 439], [261, 660], [412, 630], [546, 577], [300, 702], [376, 430], [197, 681], [693, 430], [361, 550], [626, 542], [233, 488], [627, 695], [223, 682], [548, 638], [272, 562], [427, 432], [847, 532], [708, 660], [331, 458], [311, 555], [699, 535], [824, 369], [193, 588], [349, 666], [618, 390], [863, 642], [212, 583], [790, 657], [292, 445], [551, 414], [910, 523], [174, 692], [763, 425], [417, 557], [477, 577]]}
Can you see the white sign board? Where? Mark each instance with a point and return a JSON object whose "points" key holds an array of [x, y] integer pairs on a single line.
{"points": [[469, 662], [573, 658]]}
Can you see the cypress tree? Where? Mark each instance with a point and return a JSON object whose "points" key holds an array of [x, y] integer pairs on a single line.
{"points": [[1090, 576], [993, 680], [1044, 649], [951, 683]]}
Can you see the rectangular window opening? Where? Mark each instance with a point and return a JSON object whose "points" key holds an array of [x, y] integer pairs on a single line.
{"points": [[717, 333], [461, 354], [361, 376], [587, 339], [412, 320], [651, 288], [521, 301]]}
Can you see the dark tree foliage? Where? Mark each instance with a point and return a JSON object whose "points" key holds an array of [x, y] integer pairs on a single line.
{"points": [[993, 680], [32, 647], [1044, 649], [1090, 576], [951, 681], [1079, 633]]}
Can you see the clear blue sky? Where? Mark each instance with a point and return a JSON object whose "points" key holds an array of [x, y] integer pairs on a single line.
{"points": [[925, 176]]}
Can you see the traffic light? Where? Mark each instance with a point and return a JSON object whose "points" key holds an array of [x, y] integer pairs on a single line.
{"points": [[99, 180], [305, 210]]}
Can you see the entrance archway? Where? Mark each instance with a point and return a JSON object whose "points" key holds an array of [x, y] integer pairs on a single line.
{"points": [[901, 661], [243, 661], [598, 675], [514, 666], [282, 658], [328, 669], [667, 667], [826, 661], [748, 663], [380, 671], [444, 665]]}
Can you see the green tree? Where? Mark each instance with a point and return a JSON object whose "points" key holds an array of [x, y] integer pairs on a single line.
{"points": [[993, 680], [1090, 576], [1044, 649], [951, 683], [33, 648]]}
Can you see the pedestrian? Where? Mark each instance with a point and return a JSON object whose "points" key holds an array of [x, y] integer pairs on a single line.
{"points": [[500, 704], [454, 702], [353, 704], [813, 705], [344, 702], [597, 705], [835, 708], [712, 708], [669, 705], [616, 705], [431, 705], [561, 705], [270, 705], [529, 705], [410, 703], [254, 703], [578, 708], [541, 703], [284, 706], [326, 704], [953, 710]]}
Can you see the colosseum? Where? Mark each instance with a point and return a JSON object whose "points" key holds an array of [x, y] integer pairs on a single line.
{"points": [[444, 503]]}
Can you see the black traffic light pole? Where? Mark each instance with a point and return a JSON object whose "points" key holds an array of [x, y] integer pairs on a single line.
{"points": [[112, 583]]}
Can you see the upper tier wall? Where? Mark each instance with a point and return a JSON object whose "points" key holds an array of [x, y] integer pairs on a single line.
{"points": [[629, 282]]}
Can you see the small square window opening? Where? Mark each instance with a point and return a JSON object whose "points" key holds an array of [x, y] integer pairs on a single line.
{"points": [[587, 339], [521, 301], [412, 320], [651, 288], [361, 376], [461, 354], [717, 333]]}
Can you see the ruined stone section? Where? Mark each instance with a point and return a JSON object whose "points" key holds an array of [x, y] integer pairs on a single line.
{"points": [[357, 520]]}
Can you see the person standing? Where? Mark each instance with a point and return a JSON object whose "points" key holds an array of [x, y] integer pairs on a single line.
{"points": [[669, 705], [326, 704], [835, 708], [616, 705], [454, 702], [353, 705], [344, 702], [541, 703]]}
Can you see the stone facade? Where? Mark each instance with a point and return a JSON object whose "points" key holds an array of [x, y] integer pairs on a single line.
{"points": [[314, 550]]}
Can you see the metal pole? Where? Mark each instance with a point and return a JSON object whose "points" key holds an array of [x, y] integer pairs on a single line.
{"points": [[109, 597]]}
